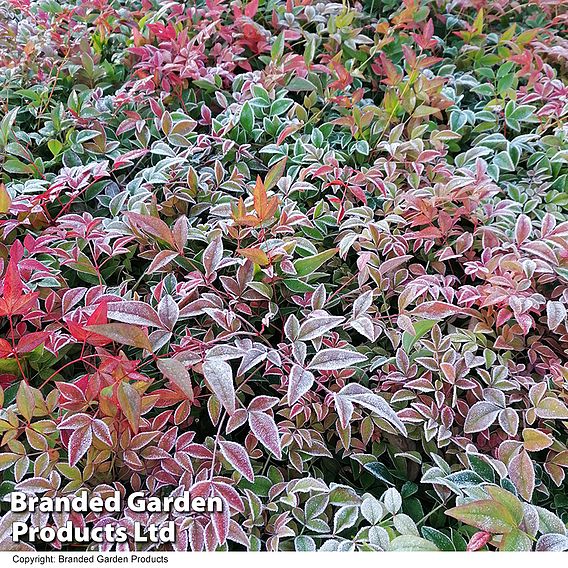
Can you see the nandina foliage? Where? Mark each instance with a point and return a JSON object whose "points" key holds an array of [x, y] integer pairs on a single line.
{"points": [[309, 257]]}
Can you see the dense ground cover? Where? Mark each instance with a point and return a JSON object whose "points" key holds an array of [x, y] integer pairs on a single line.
{"points": [[310, 257]]}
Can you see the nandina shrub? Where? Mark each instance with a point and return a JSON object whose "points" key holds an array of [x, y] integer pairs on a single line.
{"points": [[310, 258]]}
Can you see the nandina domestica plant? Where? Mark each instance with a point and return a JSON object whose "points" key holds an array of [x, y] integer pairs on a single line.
{"points": [[307, 258]]}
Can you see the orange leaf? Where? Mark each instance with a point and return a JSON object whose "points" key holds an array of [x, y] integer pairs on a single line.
{"points": [[5, 199], [153, 226], [536, 440], [265, 207], [124, 333], [260, 198], [130, 404], [256, 255], [241, 217]]}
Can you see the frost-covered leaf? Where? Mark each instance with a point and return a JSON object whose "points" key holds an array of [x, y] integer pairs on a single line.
{"points": [[555, 314], [136, 313], [334, 359], [219, 375], [552, 542], [265, 430], [176, 372], [238, 457], [480, 416], [410, 543], [124, 333], [392, 500], [521, 472], [299, 383], [487, 515], [317, 326], [380, 407]]}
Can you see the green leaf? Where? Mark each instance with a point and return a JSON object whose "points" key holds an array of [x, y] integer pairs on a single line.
{"points": [[516, 541], [300, 84], [297, 286], [422, 328], [305, 266], [25, 401], [410, 543], [55, 147], [486, 515], [275, 173], [465, 478], [522, 112], [380, 471], [508, 500], [482, 468], [15, 166], [280, 106], [345, 518], [277, 48], [442, 541], [304, 543], [503, 161], [247, 117]]}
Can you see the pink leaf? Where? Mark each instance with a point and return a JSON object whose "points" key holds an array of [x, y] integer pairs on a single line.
{"points": [[436, 310], [334, 359], [344, 408], [299, 383], [136, 313], [212, 256], [265, 430], [237, 456], [317, 326], [219, 375], [478, 540], [101, 432], [523, 229], [75, 421], [262, 403], [555, 314], [79, 444], [521, 472], [220, 522]]}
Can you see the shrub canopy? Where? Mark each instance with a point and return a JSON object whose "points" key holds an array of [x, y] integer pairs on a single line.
{"points": [[308, 257]]}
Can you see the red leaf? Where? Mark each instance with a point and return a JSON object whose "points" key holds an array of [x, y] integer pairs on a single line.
{"points": [[30, 341], [13, 287], [229, 495], [523, 229]]}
